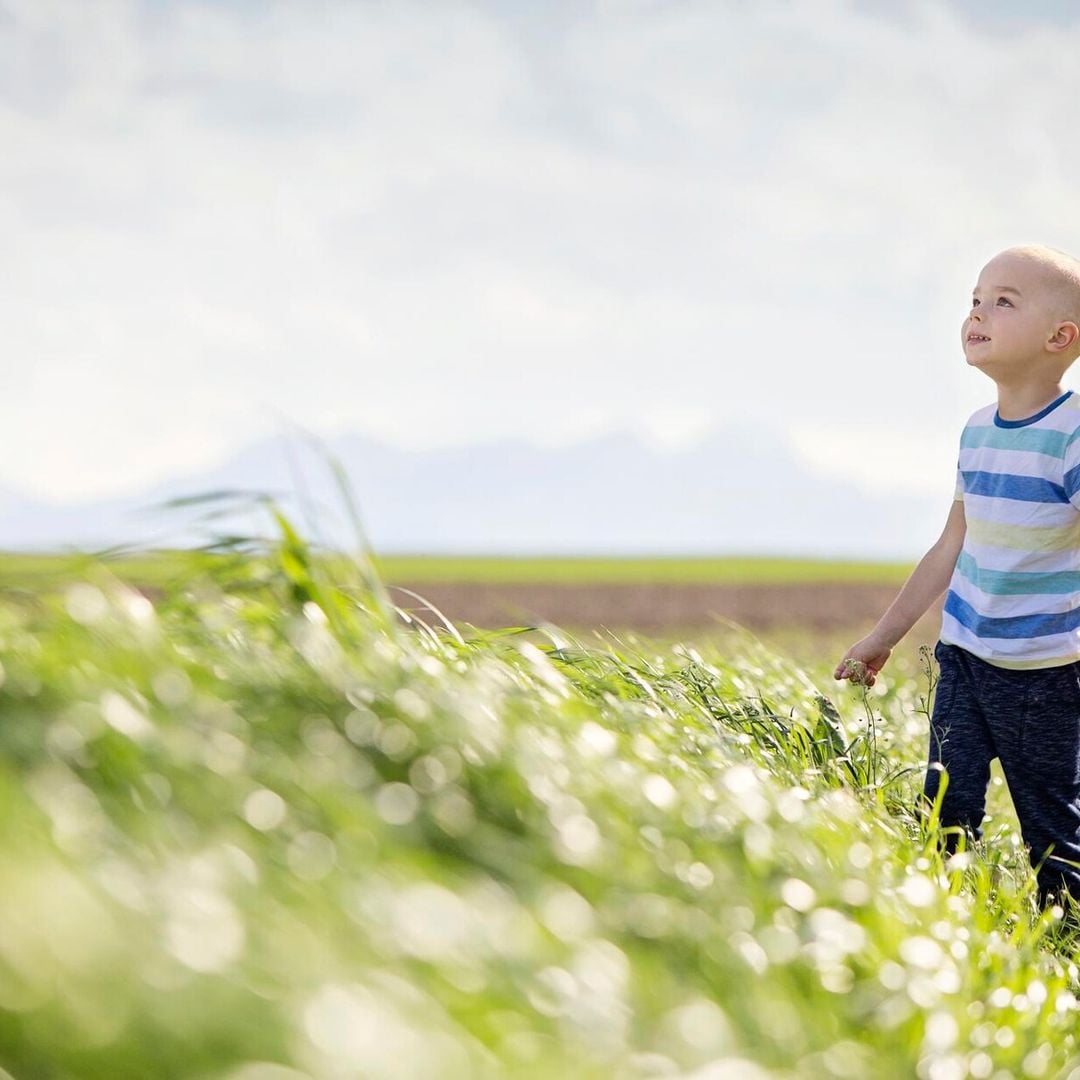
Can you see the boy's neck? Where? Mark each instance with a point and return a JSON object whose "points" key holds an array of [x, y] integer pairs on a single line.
{"points": [[1020, 402]]}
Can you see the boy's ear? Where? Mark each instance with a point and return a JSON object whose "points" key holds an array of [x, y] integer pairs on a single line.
{"points": [[1064, 337]]}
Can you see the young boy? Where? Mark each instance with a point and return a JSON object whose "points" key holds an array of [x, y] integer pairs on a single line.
{"points": [[1009, 648]]}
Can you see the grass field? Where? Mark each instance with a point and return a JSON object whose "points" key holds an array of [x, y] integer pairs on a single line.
{"points": [[30, 570], [258, 829]]}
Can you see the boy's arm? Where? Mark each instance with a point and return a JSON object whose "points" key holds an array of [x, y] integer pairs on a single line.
{"points": [[925, 584]]}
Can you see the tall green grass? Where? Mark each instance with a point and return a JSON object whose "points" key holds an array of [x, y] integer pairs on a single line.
{"points": [[272, 827]]}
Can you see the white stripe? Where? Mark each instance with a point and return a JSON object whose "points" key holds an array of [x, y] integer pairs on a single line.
{"points": [[1016, 462], [988, 557], [1066, 417], [1038, 515]]}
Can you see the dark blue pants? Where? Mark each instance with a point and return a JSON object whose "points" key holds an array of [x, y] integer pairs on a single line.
{"points": [[1030, 721]]}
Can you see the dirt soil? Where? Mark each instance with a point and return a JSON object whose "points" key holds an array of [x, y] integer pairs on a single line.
{"points": [[662, 608]]}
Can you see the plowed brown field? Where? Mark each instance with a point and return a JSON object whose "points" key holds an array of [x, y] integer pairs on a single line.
{"points": [[811, 623], [664, 609]]}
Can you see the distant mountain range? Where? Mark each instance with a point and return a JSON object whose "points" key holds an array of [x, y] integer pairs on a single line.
{"points": [[740, 490]]}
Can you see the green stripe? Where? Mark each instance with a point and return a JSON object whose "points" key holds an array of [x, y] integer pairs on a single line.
{"points": [[1034, 439], [1008, 583], [1024, 537]]}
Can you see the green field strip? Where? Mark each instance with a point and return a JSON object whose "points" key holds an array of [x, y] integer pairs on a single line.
{"points": [[33, 571]]}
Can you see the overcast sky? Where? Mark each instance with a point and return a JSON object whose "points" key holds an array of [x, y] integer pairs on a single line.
{"points": [[442, 222]]}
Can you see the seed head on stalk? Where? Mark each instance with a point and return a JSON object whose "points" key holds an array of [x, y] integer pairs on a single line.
{"points": [[855, 670]]}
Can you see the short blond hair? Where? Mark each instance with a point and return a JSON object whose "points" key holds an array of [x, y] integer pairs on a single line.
{"points": [[1060, 272]]}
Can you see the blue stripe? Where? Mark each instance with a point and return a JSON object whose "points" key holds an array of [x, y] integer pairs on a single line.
{"points": [[1018, 626], [1036, 489], [1017, 583], [1072, 481]]}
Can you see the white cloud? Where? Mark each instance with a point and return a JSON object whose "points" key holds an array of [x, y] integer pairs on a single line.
{"points": [[898, 461], [444, 222]]}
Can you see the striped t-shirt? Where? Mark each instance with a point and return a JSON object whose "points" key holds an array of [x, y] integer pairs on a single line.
{"points": [[1014, 596]]}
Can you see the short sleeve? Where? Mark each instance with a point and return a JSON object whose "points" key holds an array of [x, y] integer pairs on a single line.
{"points": [[958, 491], [1071, 469]]}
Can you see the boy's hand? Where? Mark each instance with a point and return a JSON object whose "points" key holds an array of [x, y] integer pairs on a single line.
{"points": [[862, 662]]}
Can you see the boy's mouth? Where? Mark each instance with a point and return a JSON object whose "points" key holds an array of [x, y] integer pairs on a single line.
{"points": [[976, 339]]}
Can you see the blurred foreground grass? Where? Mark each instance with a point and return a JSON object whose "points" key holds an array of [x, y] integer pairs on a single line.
{"points": [[265, 829]]}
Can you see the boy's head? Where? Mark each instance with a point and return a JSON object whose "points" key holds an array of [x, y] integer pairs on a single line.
{"points": [[1025, 314]]}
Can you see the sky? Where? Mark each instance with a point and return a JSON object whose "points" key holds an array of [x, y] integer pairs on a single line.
{"points": [[444, 223]]}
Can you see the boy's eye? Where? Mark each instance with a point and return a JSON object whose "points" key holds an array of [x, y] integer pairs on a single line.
{"points": [[1004, 300]]}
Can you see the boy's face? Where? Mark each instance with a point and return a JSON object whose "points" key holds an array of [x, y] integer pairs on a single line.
{"points": [[1011, 316]]}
